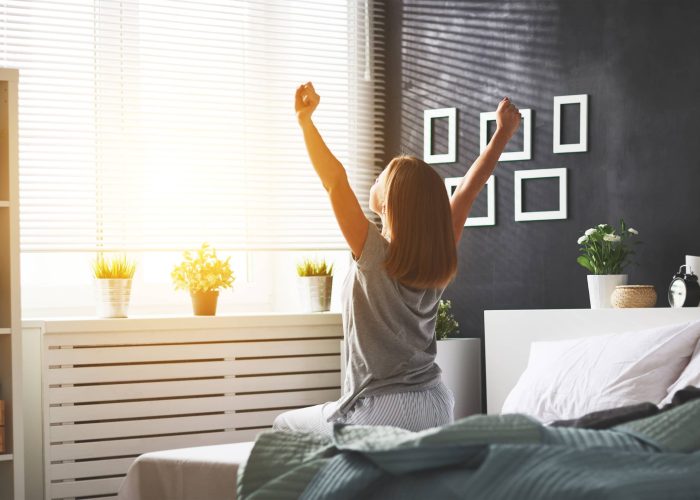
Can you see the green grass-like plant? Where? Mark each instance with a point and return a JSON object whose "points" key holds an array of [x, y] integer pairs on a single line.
{"points": [[314, 267], [115, 267]]}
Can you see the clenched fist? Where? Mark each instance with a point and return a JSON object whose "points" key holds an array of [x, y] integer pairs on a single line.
{"points": [[306, 101], [507, 117]]}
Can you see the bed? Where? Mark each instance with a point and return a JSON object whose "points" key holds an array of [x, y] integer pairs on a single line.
{"points": [[504, 457], [210, 472], [509, 334]]}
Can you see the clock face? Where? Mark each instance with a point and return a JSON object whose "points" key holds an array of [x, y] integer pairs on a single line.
{"points": [[677, 293]]}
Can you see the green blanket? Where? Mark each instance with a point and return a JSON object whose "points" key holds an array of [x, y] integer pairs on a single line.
{"points": [[494, 457]]}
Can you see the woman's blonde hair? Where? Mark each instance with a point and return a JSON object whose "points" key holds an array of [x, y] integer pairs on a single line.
{"points": [[422, 251]]}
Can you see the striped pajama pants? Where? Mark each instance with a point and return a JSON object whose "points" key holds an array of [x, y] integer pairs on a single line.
{"points": [[413, 411]]}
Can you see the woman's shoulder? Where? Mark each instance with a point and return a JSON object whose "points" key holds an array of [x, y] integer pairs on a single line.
{"points": [[374, 250]]}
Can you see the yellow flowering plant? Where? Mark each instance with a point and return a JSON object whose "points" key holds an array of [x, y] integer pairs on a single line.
{"points": [[115, 268], [203, 271]]}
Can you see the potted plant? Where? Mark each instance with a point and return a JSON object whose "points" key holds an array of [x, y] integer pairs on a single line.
{"points": [[446, 325], [203, 274], [315, 284], [459, 358], [113, 277], [605, 253]]}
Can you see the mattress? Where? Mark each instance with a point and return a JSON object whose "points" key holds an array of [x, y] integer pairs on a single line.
{"points": [[186, 474]]}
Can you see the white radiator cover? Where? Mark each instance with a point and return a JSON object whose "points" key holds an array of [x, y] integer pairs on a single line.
{"points": [[114, 389]]}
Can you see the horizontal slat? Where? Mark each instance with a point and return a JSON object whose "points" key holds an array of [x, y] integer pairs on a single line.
{"points": [[285, 399], [136, 409], [144, 337], [71, 489], [232, 350], [257, 418], [124, 373], [168, 328], [93, 468], [315, 363], [155, 426], [153, 332], [137, 446], [116, 392], [164, 371]]}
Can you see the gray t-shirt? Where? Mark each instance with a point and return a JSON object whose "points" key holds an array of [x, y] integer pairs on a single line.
{"points": [[389, 329]]}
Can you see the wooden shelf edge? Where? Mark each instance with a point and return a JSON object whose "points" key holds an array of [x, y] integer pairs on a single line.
{"points": [[6, 457], [5, 331], [5, 204]]}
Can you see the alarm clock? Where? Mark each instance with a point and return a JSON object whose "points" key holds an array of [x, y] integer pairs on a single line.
{"points": [[684, 290]]}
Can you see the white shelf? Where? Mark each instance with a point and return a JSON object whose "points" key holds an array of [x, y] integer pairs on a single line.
{"points": [[11, 463]]}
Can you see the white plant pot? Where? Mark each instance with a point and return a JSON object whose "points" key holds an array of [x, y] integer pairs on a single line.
{"points": [[112, 297], [315, 292], [601, 287], [460, 362]]}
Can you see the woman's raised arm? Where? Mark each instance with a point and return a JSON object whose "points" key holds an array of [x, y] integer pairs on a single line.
{"points": [[507, 120], [352, 221]]}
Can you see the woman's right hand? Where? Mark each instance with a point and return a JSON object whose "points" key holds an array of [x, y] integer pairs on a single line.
{"points": [[306, 101], [507, 118]]}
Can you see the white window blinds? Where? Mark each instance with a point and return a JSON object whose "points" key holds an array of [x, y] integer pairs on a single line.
{"points": [[160, 124]]}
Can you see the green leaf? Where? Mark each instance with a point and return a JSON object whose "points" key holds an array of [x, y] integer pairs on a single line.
{"points": [[583, 261]]}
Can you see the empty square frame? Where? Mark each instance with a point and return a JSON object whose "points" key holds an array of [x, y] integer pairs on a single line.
{"points": [[428, 116], [521, 175], [582, 144], [490, 218], [526, 153]]}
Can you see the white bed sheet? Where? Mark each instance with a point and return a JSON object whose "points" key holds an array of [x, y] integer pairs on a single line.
{"points": [[203, 472]]}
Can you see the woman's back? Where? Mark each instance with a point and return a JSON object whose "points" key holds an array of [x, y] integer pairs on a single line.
{"points": [[389, 329]]}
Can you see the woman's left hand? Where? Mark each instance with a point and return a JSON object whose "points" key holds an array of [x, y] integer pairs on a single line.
{"points": [[306, 101]]}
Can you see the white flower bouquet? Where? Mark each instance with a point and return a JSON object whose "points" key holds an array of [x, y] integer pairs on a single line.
{"points": [[603, 251]]}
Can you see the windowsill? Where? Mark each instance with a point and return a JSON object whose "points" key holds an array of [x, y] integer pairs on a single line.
{"points": [[178, 322]]}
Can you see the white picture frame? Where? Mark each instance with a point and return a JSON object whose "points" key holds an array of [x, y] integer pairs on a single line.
{"points": [[560, 213], [526, 153], [490, 218], [582, 144], [428, 116]]}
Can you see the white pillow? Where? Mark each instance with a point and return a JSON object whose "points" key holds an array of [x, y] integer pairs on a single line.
{"points": [[568, 379], [690, 376]]}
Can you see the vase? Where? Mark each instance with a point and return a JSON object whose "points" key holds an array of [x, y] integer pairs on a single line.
{"points": [[113, 297], [204, 303], [315, 293], [601, 287], [459, 360]]}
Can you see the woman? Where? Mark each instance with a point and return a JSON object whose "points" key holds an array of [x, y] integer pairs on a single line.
{"points": [[391, 294]]}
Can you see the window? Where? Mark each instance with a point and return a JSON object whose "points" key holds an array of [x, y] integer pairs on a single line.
{"points": [[154, 125]]}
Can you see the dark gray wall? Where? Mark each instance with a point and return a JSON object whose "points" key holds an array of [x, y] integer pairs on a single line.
{"points": [[638, 61]]}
